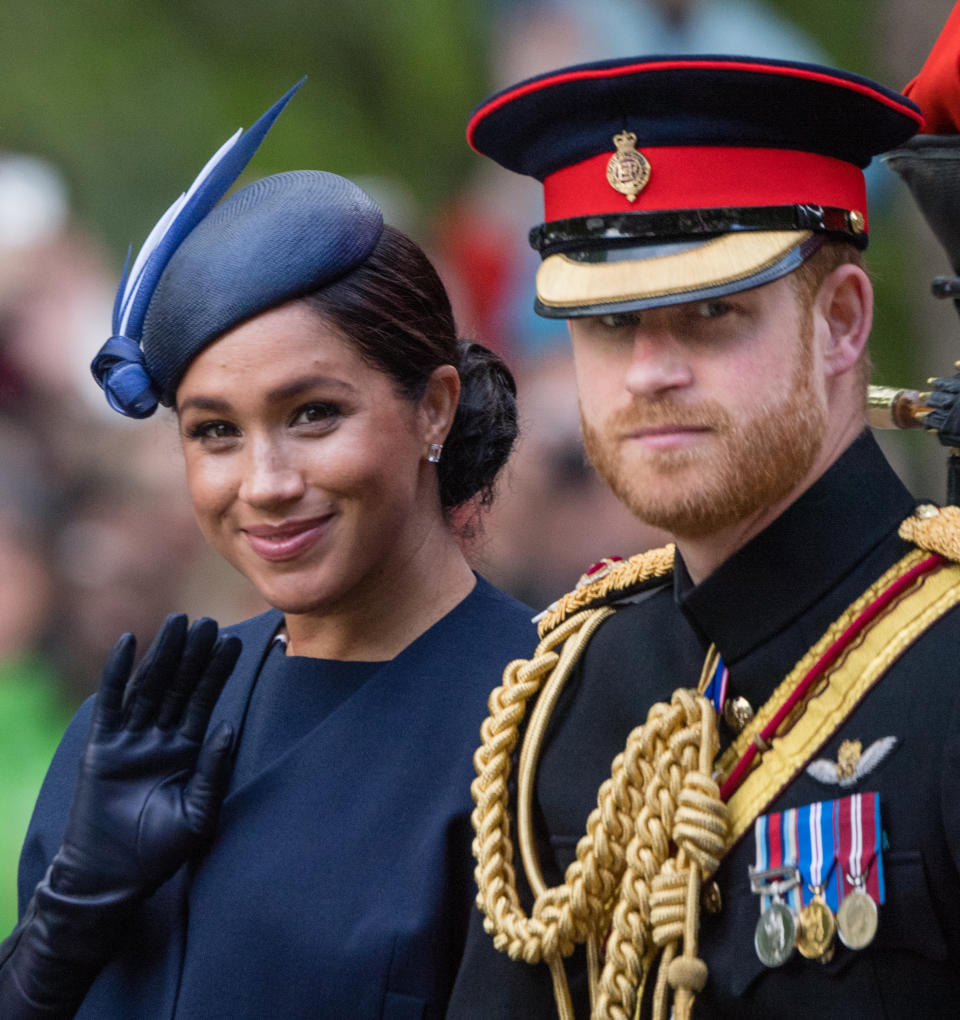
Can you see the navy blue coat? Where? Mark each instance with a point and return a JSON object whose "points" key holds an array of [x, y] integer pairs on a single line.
{"points": [[340, 880]]}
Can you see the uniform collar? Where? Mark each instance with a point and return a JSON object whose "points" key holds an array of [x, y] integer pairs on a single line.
{"points": [[800, 557]]}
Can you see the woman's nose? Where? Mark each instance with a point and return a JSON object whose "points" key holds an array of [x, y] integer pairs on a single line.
{"points": [[271, 476]]}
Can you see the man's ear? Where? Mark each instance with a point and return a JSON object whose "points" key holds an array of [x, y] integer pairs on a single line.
{"points": [[845, 306]]}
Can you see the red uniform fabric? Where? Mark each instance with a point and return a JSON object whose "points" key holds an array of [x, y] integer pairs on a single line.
{"points": [[936, 89]]}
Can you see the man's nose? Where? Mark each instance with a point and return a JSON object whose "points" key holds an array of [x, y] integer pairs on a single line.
{"points": [[658, 363]]}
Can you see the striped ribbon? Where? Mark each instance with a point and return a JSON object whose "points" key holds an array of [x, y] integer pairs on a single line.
{"points": [[830, 843], [776, 844], [716, 689], [817, 852], [858, 844]]}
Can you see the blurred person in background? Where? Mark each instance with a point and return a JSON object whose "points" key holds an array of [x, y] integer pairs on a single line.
{"points": [[333, 428], [105, 474], [33, 711]]}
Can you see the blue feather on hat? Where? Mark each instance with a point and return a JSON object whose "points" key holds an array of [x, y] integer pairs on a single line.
{"points": [[118, 367]]}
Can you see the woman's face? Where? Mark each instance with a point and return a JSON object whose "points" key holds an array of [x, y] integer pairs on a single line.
{"points": [[306, 469]]}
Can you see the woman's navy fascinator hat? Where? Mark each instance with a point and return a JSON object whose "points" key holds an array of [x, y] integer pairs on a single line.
{"points": [[206, 268]]}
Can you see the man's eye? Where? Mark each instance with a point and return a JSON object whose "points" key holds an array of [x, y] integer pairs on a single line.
{"points": [[617, 320], [712, 309]]}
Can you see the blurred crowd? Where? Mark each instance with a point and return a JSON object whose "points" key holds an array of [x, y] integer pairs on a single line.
{"points": [[96, 535]]}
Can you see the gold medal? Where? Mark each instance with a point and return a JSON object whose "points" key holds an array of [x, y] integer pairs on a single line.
{"points": [[857, 920], [816, 930]]}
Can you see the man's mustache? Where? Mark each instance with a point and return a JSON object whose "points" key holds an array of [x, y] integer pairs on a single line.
{"points": [[648, 415]]}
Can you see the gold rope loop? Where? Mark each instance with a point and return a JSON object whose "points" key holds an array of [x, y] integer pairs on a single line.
{"points": [[657, 828], [668, 905], [700, 824]]}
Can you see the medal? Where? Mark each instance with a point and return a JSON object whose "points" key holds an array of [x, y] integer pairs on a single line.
{"points": [[817, 860], [860, 839], [817, 929], [776, 874], [819, 874], [857, 920], [775, 934]]}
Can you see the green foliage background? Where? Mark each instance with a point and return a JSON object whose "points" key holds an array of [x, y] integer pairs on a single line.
{"points": [[129, 98]]}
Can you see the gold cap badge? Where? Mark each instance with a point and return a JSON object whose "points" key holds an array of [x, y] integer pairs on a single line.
{"points": [[628, 170]]}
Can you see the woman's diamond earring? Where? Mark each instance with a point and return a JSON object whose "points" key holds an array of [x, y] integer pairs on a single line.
{"points": [[435, 450]]}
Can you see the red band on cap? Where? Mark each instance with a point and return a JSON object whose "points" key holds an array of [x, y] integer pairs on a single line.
{"points": [[689, 177]]}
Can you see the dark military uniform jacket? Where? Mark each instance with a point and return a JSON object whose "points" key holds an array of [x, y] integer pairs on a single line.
{"points": [[763, 609]]}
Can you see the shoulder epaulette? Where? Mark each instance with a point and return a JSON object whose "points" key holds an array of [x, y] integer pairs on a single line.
{"points": [[608, 581], [934, 529]]}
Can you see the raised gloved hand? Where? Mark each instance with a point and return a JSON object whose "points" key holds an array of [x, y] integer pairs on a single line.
{"points": [[147, 798]]}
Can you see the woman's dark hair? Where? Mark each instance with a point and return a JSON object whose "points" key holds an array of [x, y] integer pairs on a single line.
{"points": [[395, 311]]}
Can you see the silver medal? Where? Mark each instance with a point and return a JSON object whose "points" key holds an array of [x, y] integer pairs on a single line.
{"points": [[775, 934], [857, 920]]}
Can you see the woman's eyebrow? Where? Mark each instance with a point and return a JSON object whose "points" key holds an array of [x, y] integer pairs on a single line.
{"points": [[297, 386], [288, 391]]}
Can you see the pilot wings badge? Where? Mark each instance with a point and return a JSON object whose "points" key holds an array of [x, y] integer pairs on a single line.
{"points": [[852, 764]]}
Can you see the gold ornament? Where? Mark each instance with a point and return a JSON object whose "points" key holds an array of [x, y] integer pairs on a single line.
{"points": [[628, 170]]}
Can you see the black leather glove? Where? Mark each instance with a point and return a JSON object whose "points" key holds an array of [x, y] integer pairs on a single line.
{"points": [[147, 798], [945, 416]]}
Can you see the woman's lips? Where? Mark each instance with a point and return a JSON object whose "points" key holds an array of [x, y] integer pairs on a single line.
{"points": [[286, 541]]}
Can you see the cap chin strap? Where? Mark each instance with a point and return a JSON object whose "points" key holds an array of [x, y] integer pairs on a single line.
{"points": [[615, 229]]}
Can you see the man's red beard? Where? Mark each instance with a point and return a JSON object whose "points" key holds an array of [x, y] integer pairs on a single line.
{"points": [[745, 464]]}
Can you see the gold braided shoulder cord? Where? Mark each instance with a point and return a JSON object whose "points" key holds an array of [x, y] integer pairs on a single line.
{"points": [[658, 830]]}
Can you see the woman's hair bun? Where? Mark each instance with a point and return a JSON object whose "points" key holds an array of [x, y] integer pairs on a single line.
{"points": [[484, 429]]}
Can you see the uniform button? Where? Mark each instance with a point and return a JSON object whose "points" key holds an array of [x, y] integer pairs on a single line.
{"points": [[737, 712]]}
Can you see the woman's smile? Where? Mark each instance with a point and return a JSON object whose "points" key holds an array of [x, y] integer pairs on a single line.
{"points": [[279, 542]]}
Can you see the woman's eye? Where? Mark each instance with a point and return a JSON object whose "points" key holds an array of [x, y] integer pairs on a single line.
{"points": [[212, 430], [321, 412]]}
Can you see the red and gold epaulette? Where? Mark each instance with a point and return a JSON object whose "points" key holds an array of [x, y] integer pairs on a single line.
{"points": [[934, 529], [608, 581]]}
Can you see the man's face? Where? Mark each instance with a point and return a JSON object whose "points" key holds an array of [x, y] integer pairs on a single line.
{"points": [[702, 414]]}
